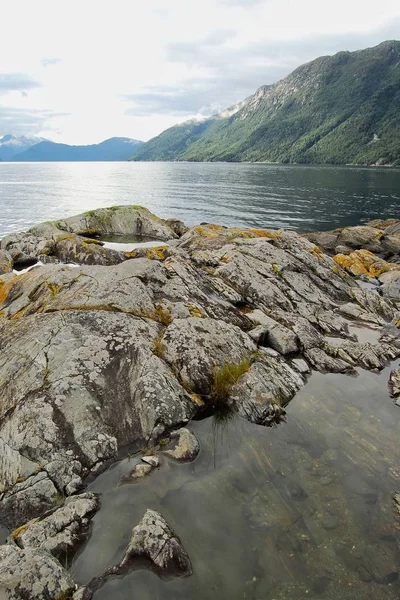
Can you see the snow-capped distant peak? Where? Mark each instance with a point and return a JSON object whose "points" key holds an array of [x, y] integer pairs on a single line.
{"points": [[23, 141]]}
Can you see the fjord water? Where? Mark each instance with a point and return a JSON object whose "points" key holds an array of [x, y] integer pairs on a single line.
{"points": [[303, 510], [303, 198]]}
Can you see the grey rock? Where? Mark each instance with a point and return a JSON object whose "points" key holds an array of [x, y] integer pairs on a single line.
{"points": [[125, 347], [321, 361], [177, 226], [390, 287], [66, 240], [32, 574], [186, 446], [343, 250], [151, 460], [74, 485], [396, 503], [135, 220], [260, 394], [259, 335], [195, 347], [282, 339], [301, 366], [82, 594], [63, 530], [6, 262], [138, 472], [69, 379], [354, 311], [153, 539], [27, 499], [394, 383]]}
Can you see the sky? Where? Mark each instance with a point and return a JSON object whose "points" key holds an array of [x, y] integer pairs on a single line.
{"points": [[80, 72]]}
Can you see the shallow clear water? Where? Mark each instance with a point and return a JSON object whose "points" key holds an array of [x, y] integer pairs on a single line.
{"points": [[303, 510], [298, 197]]}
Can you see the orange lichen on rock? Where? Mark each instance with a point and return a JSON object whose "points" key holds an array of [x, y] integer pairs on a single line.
{"points": [[157, 253], [196, 399], [214, 230], [364, 262], [268, 233], [195, 311], [5, 287]]}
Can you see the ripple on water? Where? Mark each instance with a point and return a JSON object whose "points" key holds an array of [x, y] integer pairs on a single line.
{"points": [[297, 197]]}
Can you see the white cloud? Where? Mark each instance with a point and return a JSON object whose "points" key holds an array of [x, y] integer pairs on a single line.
{"points": [[132, 69]]}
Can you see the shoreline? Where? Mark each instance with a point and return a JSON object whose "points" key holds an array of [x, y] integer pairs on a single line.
{"points": [[127, 347]]}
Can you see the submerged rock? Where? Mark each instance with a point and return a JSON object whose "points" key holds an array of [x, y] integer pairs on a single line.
{"points": [[186, 446], [151, 460], [138, 472], [396, 502]]}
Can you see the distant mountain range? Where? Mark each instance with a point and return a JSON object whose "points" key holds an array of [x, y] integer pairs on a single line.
{"points": [[35, 149], [11, 145], [336, 109]]}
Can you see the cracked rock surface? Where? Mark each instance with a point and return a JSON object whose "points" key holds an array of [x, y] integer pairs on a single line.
{"points": [[63, 530], [124, 347]]}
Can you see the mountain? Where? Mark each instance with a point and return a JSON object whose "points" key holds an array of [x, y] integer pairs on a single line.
{"points": [[11, 145], [336, 110], [116, 148]]}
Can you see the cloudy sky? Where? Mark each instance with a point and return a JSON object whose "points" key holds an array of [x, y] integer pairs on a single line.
{"points": [[79, 72]]}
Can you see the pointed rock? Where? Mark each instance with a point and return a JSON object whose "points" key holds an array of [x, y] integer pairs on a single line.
{"points": [[153, 539]]}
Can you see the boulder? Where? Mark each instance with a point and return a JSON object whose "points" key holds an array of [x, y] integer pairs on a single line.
{"points": [[154, 540], [260, 394], [282, 339], [63, 530], [32, 574], [390, 287], [122, 220], [394, 383], [379, 237]]}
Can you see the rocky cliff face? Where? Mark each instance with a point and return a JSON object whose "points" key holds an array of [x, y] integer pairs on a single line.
{"points": [[122, 348]]}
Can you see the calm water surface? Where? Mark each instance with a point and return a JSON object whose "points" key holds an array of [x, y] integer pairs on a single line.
{"points": [[303, 510], [297, 197]]}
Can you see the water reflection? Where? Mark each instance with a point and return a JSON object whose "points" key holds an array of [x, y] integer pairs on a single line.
{"points": [[291, 196], [303, 510]]}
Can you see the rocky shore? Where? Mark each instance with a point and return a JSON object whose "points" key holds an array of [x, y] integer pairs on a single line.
{"points": [[105, 351]]}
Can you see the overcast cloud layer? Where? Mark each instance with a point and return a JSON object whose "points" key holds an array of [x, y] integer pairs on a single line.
{"points": [[80, 72]]}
